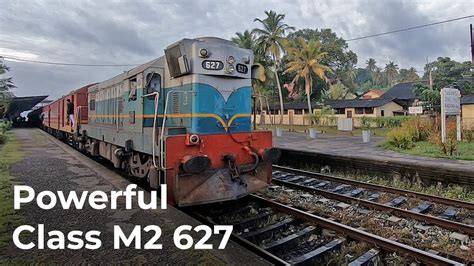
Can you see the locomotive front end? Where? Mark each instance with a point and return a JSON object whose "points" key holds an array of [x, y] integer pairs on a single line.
{"points": [[215, 155]]}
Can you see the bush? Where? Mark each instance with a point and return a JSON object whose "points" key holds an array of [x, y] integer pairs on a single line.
{"points": [[366, 122], [467, 135], [3, 138], [451, 143], [5, 126], [420, 129], [400, 138]]}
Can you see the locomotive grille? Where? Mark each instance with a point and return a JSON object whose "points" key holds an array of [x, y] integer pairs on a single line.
{"points": [[175, 103]]}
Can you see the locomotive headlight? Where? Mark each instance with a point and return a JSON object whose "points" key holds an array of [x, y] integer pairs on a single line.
{"points": [[230, 69], [230, 60], [246, 59], [203, 52]]}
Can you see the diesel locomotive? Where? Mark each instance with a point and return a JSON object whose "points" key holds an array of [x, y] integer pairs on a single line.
{"points": [[183, 119]]}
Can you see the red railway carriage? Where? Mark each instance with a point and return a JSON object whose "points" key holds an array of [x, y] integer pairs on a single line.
{"points": [[55, 114]]}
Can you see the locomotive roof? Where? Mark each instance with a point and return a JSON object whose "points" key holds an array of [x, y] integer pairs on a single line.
{"points": [[131, 72]]}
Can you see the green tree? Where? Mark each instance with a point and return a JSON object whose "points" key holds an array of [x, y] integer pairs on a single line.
{"points": [[449, 73], [379, 77], [271, 37], [245, 40], [304, 58], [445, 73], [6, 84], [391, 72], [371, 68], [339, 58], [408, 75]]}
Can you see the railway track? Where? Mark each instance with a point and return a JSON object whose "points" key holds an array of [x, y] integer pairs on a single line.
{"points": [[285, 235], [445, 213]]}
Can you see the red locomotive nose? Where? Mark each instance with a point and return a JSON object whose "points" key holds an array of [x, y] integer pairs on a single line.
{"points": [[195, 164]]}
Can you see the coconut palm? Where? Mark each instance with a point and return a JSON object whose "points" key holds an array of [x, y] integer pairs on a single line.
{"points": [[304, 59], [379, 77], [412, 74], [6, 84], [244, 40], [371, 67], [391, 71], [271, 37]]}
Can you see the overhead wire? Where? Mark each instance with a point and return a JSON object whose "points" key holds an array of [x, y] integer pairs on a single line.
{"points": [[133, 65]]}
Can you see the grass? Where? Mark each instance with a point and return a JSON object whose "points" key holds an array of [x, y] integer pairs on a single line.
{"points": [[452, 191], [326, 129], [465, 150], [9, 219]]}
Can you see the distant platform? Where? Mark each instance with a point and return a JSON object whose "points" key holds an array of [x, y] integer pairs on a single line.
{"points": [[350, 150]]}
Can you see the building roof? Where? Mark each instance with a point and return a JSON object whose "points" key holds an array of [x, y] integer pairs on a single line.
{"points": [[375, 93], [401, 91], [358, 103], [467, 99], [20, 104], [294, 106]]}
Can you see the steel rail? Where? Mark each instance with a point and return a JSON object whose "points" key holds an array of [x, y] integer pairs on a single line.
{"points": [[241, 241], [386, 244], [431, 198], [468, 229]]}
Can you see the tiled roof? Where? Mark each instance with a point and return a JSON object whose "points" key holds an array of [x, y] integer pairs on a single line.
{"points": [[467, 99], [401, 91], [358, 103]]}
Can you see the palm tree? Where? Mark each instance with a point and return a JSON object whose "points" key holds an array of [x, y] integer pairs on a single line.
{"points": [[412, 74], [371, 67], [244, 40], [350, 73], [391, 70], [304, 59], [379, 76], [271, 37], [6, 84]]}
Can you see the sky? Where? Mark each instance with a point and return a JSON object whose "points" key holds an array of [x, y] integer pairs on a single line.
{"points": [[134, 32]]}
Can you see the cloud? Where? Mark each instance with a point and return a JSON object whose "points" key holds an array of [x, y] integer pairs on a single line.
{"points": [[129, 32]]}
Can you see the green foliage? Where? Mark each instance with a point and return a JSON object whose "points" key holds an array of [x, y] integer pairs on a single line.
{"points": [[387, 122], [399, 138], [468, 135], [325, 117], [339, 58], [446, 72], [366, 122], [410, 131], [5, 126], [10, 153]]}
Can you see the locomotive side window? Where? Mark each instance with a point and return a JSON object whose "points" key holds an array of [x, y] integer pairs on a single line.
{"points": [[133, 90], [153, 82], [92, 105]]}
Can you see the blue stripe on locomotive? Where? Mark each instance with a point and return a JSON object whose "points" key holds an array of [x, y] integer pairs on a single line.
{"points": [[205, 100]]}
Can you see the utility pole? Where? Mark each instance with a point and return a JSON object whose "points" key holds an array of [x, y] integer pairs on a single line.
{"points": [[472, 48]]}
